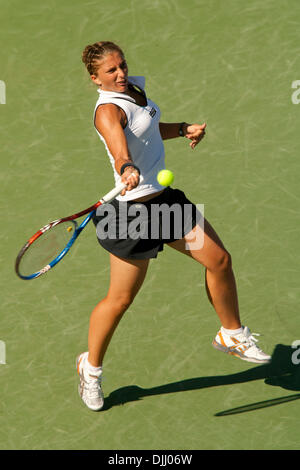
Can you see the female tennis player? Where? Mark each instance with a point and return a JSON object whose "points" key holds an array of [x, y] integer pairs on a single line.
{"points": [[128, 123]]}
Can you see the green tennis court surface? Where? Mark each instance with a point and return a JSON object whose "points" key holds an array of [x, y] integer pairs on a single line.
{"points": [[229, 64]]}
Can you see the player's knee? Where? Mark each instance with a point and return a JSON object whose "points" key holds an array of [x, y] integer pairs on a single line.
{"points": [[122, 303], [223, 262]]}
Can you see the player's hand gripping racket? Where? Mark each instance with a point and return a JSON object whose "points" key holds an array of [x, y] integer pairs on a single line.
{"points": [[52, 242]]}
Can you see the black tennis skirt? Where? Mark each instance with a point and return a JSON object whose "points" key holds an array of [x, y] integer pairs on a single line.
{"points": [[139, 230]]}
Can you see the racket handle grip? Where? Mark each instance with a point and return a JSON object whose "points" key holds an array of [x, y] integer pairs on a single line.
{"points": [[116, 191]]}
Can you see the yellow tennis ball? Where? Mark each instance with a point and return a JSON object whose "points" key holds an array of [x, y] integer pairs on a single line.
{"points": [[70, 229], [165, 177]]}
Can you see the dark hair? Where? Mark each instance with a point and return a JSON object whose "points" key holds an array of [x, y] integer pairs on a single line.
{"points": [[97, 51]]}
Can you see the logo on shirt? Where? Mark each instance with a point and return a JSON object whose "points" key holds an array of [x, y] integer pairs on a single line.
{"points": [[152, 112]]}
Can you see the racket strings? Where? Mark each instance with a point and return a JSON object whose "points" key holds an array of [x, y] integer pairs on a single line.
{"points": [[46, 248]]}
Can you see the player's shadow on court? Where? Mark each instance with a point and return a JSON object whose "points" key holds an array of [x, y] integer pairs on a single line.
{"points": [[280, 372]]}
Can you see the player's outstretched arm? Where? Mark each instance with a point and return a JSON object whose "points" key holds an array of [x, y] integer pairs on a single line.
{"points": [[193, 132]]}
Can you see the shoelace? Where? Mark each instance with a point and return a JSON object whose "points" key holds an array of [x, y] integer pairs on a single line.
{"points": [[251, 339], [93, 386]]}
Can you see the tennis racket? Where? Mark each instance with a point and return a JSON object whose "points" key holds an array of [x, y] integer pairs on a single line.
{"points": [[52, 242]]}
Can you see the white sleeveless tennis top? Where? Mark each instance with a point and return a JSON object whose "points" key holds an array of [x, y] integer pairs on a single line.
{"points": [[143, 138]]}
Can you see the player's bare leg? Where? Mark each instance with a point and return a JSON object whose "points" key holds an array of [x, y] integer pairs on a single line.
{"points": [[220, 281], [221, 289], [126, 278]]}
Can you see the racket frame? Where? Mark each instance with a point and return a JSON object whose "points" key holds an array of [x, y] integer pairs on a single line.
{"points": [[90, 211]]}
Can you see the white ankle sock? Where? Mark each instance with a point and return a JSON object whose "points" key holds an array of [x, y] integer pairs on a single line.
{"points": [[232, 332], [93, 371]]}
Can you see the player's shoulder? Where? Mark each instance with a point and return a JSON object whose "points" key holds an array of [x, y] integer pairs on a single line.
{"points": [[108, 111], [107, 115]]}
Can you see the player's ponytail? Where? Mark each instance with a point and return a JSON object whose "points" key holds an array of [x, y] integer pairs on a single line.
{"points": [[93, 53]]}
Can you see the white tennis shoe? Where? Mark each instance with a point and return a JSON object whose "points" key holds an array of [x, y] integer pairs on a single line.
{"points": [[89, 387], [241, 345]]}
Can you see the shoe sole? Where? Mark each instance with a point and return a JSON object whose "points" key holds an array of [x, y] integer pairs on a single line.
{"points": [[229, 351]]}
